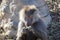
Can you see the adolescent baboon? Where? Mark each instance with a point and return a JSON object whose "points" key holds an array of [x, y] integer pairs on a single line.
{"points": [[29, 17]]}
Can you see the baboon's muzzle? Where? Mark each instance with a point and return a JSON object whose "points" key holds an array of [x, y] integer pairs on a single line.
{"points": [[29, 21]]}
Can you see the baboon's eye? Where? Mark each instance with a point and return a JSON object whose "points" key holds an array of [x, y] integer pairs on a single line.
{"points": [[30, 12]]}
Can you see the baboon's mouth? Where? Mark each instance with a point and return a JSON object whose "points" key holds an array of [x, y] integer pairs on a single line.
{"points": [[28, 24]]}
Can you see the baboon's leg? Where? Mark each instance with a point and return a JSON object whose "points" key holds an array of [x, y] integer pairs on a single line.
{"points": [[40, 29]]}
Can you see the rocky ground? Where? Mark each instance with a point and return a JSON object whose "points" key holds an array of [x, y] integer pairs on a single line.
{"points": [[54, 26]]}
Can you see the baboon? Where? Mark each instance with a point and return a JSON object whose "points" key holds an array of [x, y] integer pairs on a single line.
{"points": [[29, 17]]}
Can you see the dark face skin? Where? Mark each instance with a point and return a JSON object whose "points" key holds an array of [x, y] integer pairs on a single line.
{"points": [[0, 1], [29, 16]]}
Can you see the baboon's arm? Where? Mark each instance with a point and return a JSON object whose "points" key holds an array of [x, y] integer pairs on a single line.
{"points": [[19, 31]]}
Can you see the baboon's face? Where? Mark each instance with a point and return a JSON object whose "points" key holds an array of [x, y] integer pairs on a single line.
{"points": [[29, 14]]}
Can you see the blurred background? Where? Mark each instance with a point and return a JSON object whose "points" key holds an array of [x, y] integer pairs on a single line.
{"points": [[54, 26]]}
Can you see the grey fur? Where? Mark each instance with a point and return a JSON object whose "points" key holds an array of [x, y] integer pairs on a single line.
{"points": [[37, 23]]}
